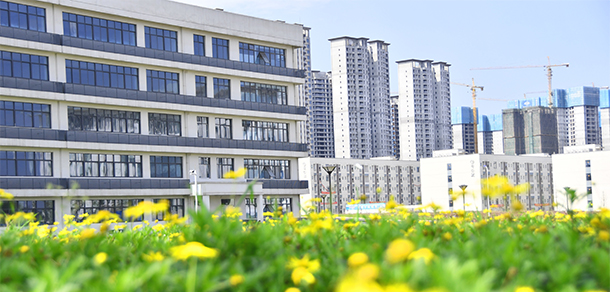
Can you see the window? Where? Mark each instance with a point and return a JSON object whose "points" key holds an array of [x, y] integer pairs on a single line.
{"points": [[588, 176], [80, 207], [44, 210], [87, 73], [105, 165], [265, 93], [225, 202], [267, 168], [24, 114], [223, 128], [200, 86], [204, 167], [265, 131], [22, 16], [165, 166], [587, 163], [220, 48], [98, 29], [161, 39], [250, 208], [164, 124], [199, 42], [224, 165], [262, 55], [159, 81], [176, 206], [202, 127], [102, 120], [21, 163], [24, 66], [222, 88]]}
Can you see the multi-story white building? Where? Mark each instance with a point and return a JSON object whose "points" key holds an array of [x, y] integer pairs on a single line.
{"points": [[463, 128], [450, 169], [585, 169], [424, 105], [395, 126], [361, 98], [122, 100], [320, 117], [353, 178], [306, 89]]}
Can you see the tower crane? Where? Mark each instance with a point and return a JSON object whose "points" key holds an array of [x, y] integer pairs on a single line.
{"points": [[549, 73], [473, 88]]}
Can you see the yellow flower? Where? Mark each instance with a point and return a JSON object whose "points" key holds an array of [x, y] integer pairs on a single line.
{"points": [[158, 227], [301, 274], [235, 174], [447, 236], [146, 207], [399, 250], [398, 288], [311, 266], [24, 249], [119, 227], [603, 235], [354, 202], [232, 212], [375, 217], [87, 233], [357, 259], [100, 216], [100, 258], [422, 253], [524, 289], [193, 249], [378, 190], [292, 289], [153, 257], [368, 272], [19, 216], [236, 280], [5, 195]]}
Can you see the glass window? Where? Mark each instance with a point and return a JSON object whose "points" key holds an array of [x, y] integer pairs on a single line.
{"points": [[220, 48], [161, 39], [267, 168], [202, 127], [44, 210], [224, 166], [223, 128], [24, 66], [587, 163], [176, 206], [80, 207], [165, 166], [199, 42], [222, 88], [164, 124], [250, 208], [159, 81], [265, 93], [204, 167], [87, 73], [200, 86], [21, 163], [24, 114], [22, 16], [99, 29], [262, 55], [103, 120], [265, 131], [105, 165]]}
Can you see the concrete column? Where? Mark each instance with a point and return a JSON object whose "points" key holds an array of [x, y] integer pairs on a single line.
{"points": [[188, 83], [144, 122], [141, 74], [145, 166], [237, 129], [186, 41], [235, 89], [259, 207], [140, 35]]}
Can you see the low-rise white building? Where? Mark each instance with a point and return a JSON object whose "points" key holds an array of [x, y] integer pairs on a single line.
{"points": [[585, 169], [354, 177], [449, 169]]}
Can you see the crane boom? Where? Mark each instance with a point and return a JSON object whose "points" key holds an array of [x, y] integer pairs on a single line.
{"points": [[549, 73], [473, 88]]}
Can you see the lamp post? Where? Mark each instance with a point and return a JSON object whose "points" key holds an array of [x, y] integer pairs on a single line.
{"points": [[324, 201], [329, 169], [486, 185], [193, 173], [463, 187]]}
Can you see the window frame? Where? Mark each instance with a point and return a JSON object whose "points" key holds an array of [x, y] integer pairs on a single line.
{"points": [[224, 165], [205, 167], [21, 65], [160, 162], [33, 115], [118, 120], [13, 14], [201, 86], [198, 45], [36, 164], [164, 126], [203, 127], [217, 45], [264, 93], [222, 88], [224, 128], [168, 39], [160, 81], [98, 74], [131, 165], [99, 29]]}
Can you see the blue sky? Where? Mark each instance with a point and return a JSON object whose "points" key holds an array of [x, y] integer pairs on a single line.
{"points": [[467, 34]]}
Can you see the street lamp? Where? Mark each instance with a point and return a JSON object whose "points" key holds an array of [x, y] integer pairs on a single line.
{"points": [[463, 187], [329, 169], [324, 201], [487, 185], [193, 174]]}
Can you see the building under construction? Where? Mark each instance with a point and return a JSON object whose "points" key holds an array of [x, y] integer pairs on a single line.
{"points": [[530, 130]]}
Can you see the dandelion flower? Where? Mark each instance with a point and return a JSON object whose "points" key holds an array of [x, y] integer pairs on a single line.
{"points": [[301, 274], [524, 289], [5, 195], [153, 257], [236, 280], [368, 272], [357, 259], [311, 265], [235, 174], [292, 289], [422, 253], [24, 249], [100, 258]]}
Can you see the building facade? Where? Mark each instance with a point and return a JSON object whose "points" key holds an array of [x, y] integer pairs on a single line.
{"points": [[361, 98], [604, 118], [305, 90], [320, 118], [118, 103], [585, 169], [353, 178], [425, 108], [530, 130], [457, 169], [463, 128], [395, 126]]}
